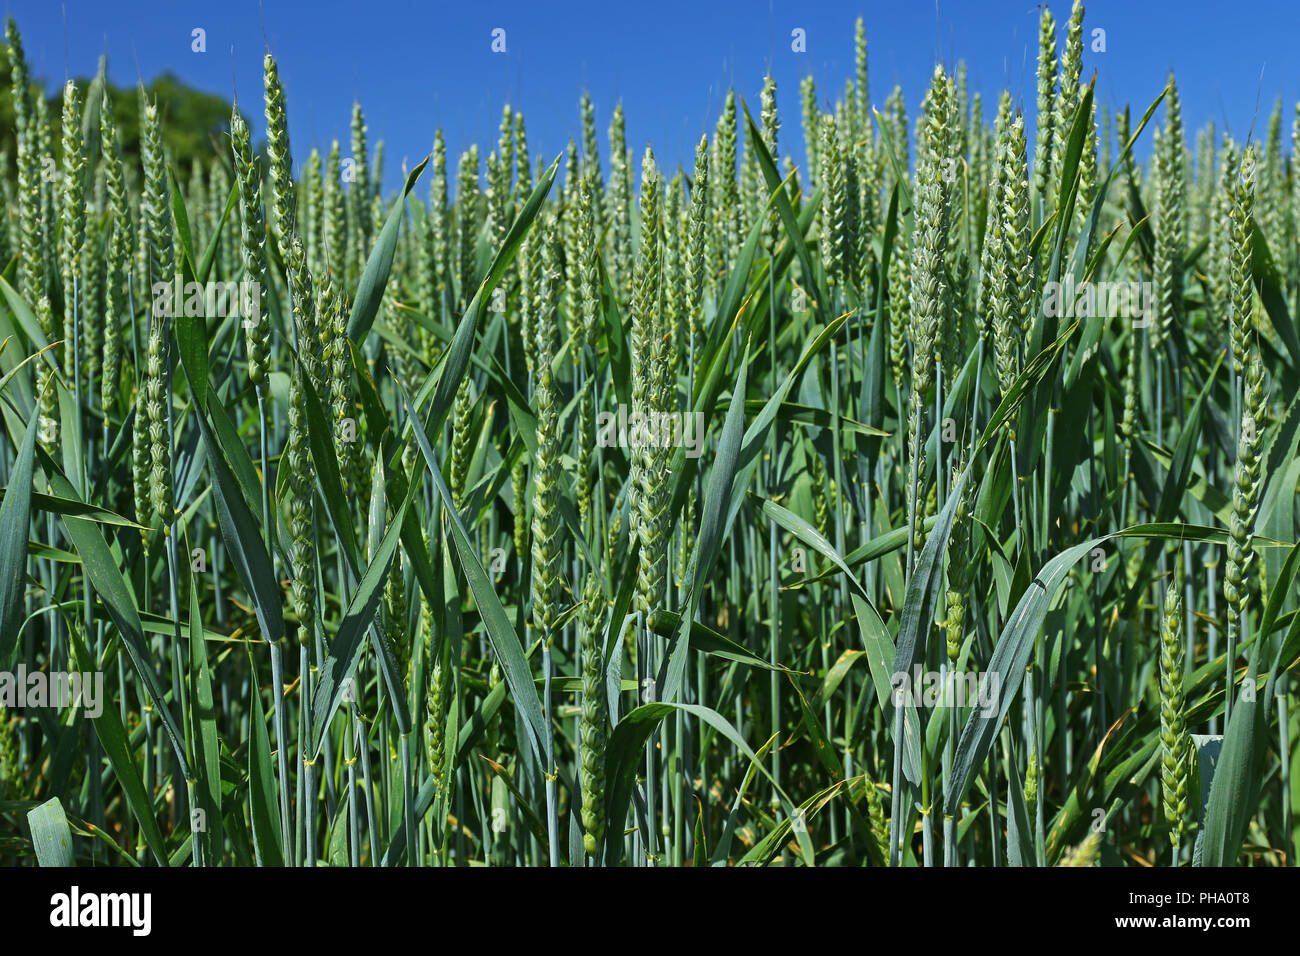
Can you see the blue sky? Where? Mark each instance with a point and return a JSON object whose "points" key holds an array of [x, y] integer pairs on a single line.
{"points": [[418, 65]]}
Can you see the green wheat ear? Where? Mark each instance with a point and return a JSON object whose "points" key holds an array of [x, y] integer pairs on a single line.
{"points": [[506, 141], [1010, 261], [958, 565], [674, 268], [334, 229], [278, 155], [437, 243], [856, 229], [252, 237], [590, 140], [519, 499], [1295, 180], [821, 502], [593, 725], [1046, 103], [311, 205], [302, 545], [140, 462], [1128, 424], [1240, 252], [836, 229], [587, 267], [155, 402], [997, 189], [9, 758], [462, 446], [547, 542], [360, 194], [528, 268], [1088, 184], [1272, 207], [930, 239], [618, 212], [569, 215], [651, 379], [523, 174], [156, 219], [439, 680], [336, 352], [726, 196], [467, 224], [376, 188], [929, 510], [769, 125], [1245, 500], [696, 224], [1086, 853], [49, 397], [91, 296], [1171, 224], [809, 115], [900, 284], [155, 202], [1174, 741], [1031, 786], [395, 615], [499, 210], [73, 233], [118, 261], [302, 297], [586, 444], [876, 816], [1069, 92], [1221, 226], [49, 201], [31, 274]]}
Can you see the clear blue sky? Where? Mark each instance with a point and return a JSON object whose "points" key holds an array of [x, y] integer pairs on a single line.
{"points": [[416, 65]]}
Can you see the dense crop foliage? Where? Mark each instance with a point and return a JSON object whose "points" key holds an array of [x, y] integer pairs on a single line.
{"points": [[923, 493]]}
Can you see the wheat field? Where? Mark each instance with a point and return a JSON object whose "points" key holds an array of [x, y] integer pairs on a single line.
{"points": [[896, 485]]}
